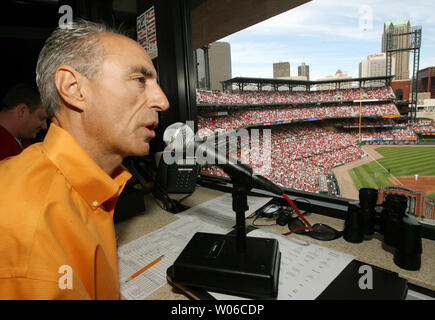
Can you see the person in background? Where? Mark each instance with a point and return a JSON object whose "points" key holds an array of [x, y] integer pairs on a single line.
{"points": [[21, 118], [57, 238]]}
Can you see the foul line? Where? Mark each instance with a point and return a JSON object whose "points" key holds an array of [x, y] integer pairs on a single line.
{"points": [[384, 169]]}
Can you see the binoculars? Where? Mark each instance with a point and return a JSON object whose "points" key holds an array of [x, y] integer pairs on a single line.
{"points": [[403, 234]]}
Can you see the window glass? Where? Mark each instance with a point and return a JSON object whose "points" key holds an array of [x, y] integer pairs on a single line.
{"points": [[323, 97]]}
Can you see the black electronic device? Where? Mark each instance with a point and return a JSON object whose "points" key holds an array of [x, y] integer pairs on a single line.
{"points": [[237, 264], [284, 217], [212, 262], [346, 286], [368, 199], [270, 210], [178, 177], [318, 231], [408, 246], [354, 224], [401, 232]]}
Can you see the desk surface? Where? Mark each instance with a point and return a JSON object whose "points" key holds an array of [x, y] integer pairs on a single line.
{"points": [[369, 251]]}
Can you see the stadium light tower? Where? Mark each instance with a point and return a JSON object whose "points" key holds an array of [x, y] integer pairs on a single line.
{"points": [[394, 45]]}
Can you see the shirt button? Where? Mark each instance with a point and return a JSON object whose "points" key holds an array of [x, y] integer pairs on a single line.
{"points": [[95, 203]]}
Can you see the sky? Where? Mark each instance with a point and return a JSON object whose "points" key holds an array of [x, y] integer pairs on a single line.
{"points": [[327, 35]]}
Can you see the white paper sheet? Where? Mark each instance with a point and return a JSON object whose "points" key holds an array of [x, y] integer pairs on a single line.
{"points": [[306, 269], [169, 241], [219, 211]]}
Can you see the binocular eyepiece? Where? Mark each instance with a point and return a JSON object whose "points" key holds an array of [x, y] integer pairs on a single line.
{"points": [[400, 232]]}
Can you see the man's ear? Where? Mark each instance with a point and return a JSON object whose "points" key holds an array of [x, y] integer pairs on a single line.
{"points": [[20, 110], [70, 84]]}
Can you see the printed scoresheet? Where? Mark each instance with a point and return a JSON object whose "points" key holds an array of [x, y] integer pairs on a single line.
{"points": [[306, 269], [168, 241]]}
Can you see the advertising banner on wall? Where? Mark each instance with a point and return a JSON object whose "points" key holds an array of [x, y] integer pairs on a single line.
{"points": [[146, 32]]}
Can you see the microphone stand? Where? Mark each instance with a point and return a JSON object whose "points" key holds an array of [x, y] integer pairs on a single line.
{"points": [[234, 265], [241, 186]]}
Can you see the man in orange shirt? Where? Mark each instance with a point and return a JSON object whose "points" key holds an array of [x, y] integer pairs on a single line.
{"points": [[21, 118], [57, 238]]}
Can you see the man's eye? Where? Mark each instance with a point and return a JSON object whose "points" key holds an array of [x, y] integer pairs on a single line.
{"points": [[140, 79]]}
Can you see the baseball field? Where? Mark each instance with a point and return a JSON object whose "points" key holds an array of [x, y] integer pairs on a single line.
{"points": [[412, 167]]}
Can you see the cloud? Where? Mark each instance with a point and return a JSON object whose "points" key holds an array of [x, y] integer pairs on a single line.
{"points": [[330, 18], [327, 35], [344, 18]]}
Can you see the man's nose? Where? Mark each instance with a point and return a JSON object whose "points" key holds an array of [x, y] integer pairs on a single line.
{"points": [[160, 101]]}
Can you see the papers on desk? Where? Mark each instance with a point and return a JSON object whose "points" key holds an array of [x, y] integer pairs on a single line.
{"points": [[306, 269], [214, 216], [168, 241]]}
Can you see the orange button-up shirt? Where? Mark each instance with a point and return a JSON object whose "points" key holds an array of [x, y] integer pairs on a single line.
{"points": [[57, 238]]}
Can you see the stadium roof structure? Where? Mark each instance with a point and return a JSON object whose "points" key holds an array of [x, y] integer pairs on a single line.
{"points": [[215, 19], [275, 83]]}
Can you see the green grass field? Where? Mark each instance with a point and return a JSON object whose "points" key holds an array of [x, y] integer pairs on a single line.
{"points": [[403, 161]]}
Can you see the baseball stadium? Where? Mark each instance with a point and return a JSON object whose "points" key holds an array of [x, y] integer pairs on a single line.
{"points": [[334, 142]]}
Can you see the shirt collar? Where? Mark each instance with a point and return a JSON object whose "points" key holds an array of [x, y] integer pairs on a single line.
{"points": [[80, 170]]}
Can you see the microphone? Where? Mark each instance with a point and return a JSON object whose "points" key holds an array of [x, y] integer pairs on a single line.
{"points": [[179, 137], [252, 268]]}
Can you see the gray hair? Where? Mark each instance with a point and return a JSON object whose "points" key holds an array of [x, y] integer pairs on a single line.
{"points": [[76, 44]]}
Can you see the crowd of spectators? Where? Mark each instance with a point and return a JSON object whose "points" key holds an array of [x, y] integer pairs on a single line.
{"points": [[368, 122], [299, 155], [391, 134], [258, 117], [425, 126], [231, 97]]}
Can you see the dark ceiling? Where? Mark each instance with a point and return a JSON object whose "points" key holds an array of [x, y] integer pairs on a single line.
{"points": [[213, 20], [25, 24]]}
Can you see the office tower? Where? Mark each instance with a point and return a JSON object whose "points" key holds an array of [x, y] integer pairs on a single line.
{"points": [[375, 66], [399, 42], [219, 55], [339, 75], [213, 65], [426, 79], [202, 75], [304, 70], [281, 70]]}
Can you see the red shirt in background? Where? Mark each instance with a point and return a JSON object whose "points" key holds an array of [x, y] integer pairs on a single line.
{"points": [[9, 146]]}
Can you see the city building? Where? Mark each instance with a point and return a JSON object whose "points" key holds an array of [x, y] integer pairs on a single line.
{"points": [[304, 71], [426, 90], [213, 65], [426, 81], [402, 89], [281, 70], [399, 42], [331, 86], [374, 66], [220, 64], [417, 202]]}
